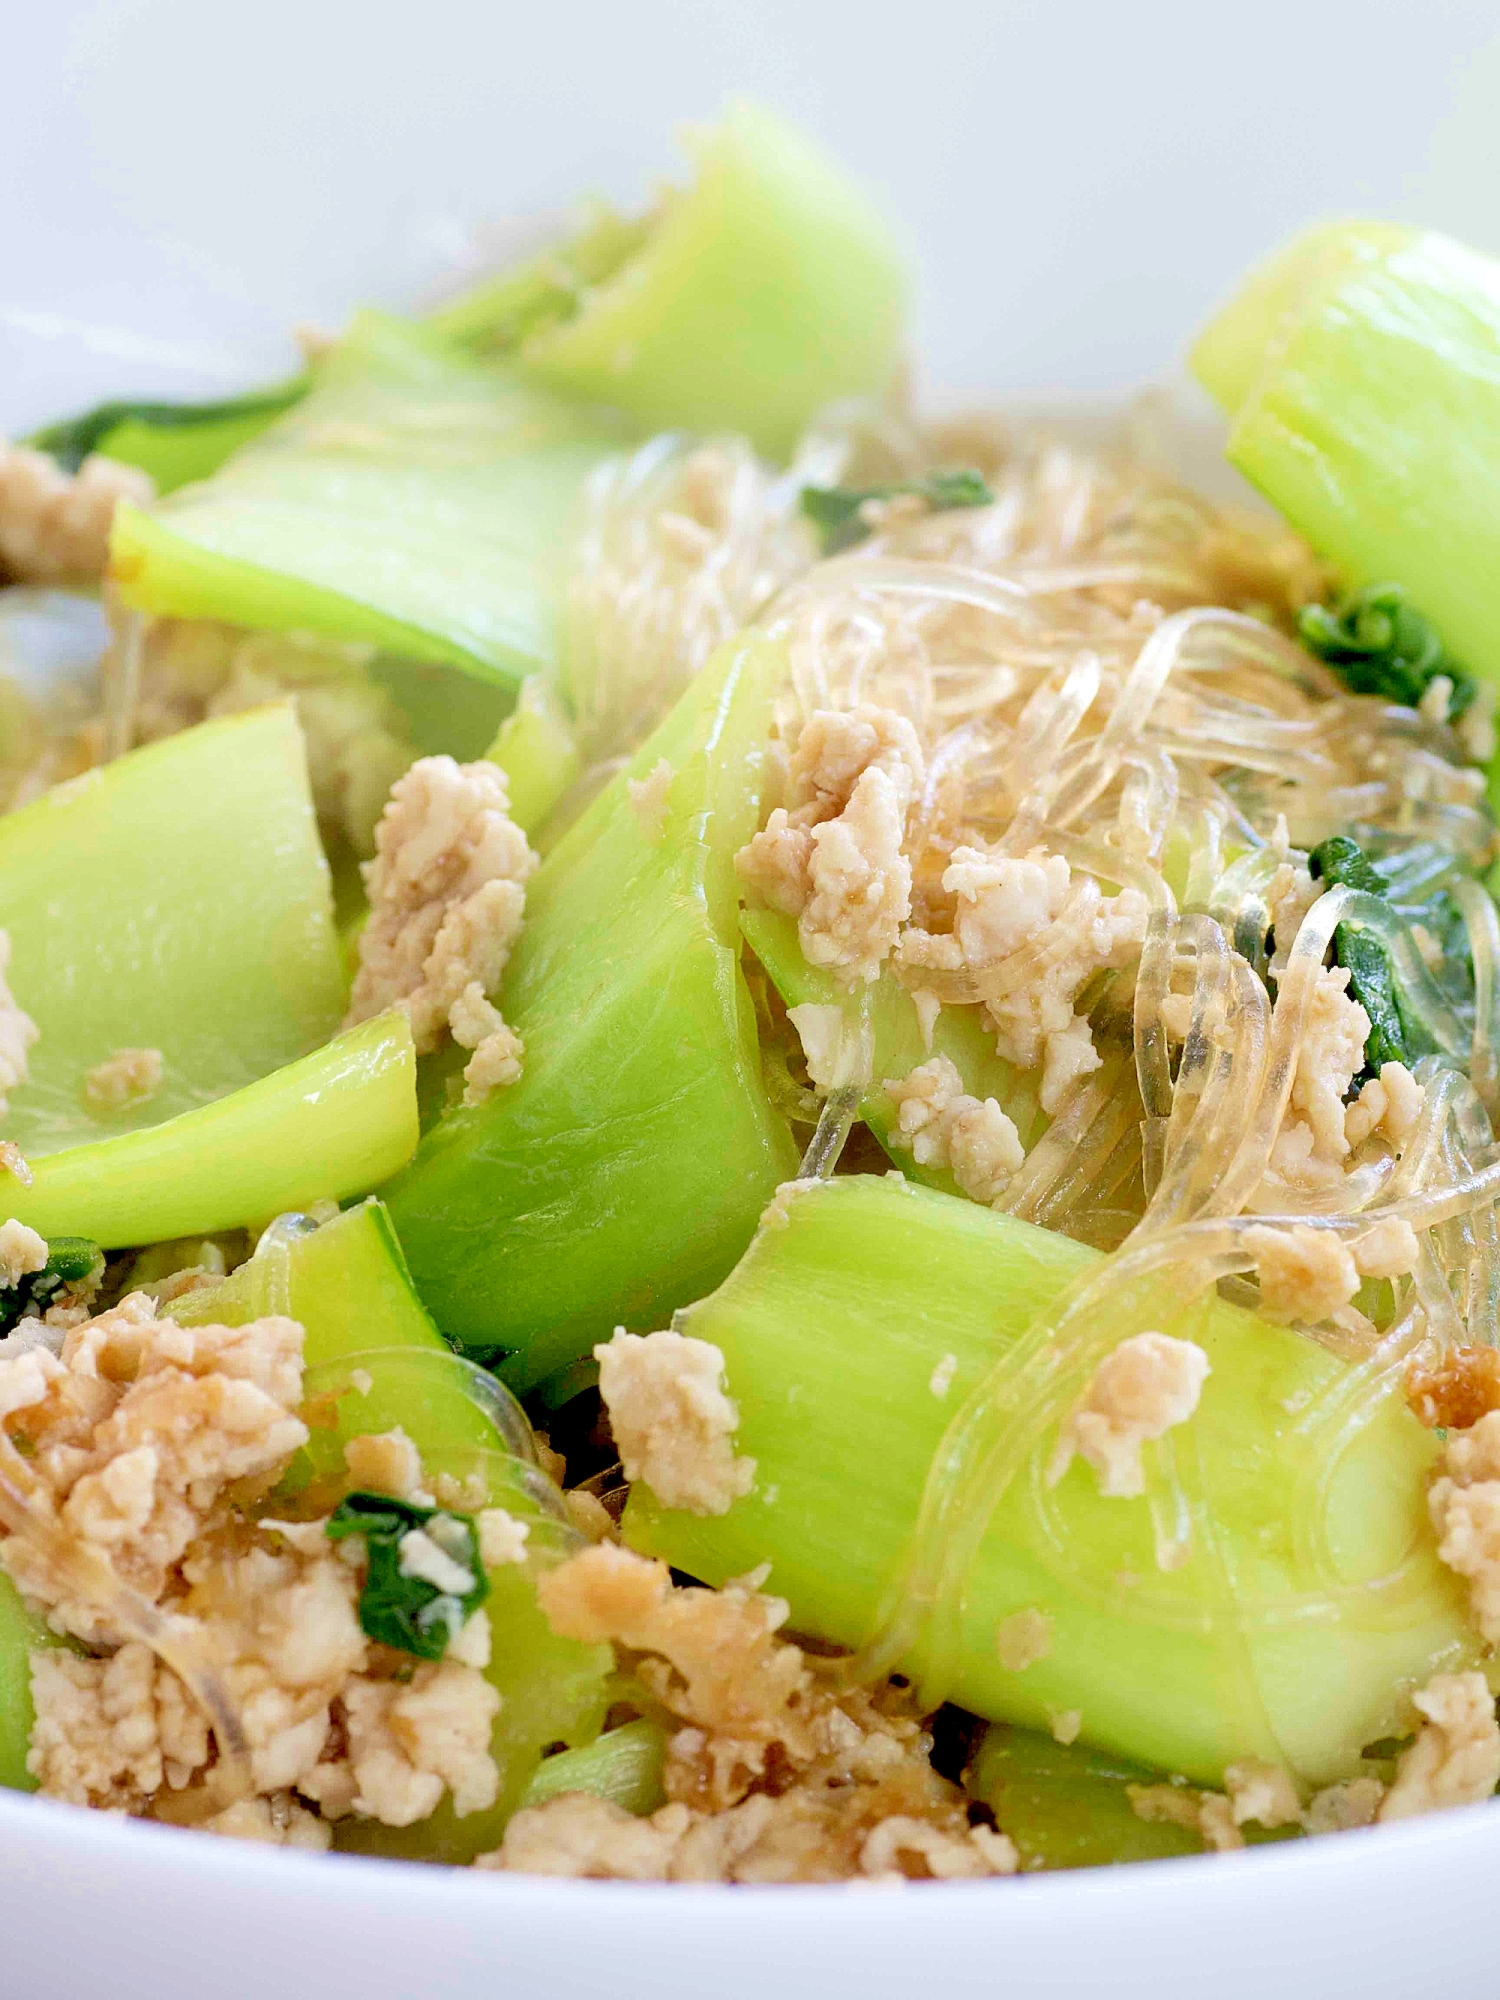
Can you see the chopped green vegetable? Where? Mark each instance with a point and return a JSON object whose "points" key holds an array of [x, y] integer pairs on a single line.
{"points": [[624, 1766], [835, 510], [499, 314], [443, 711], [1377, 644], [70, 1260], [1398, 1032], [414, 499], [174, 442], [1066, 1806], [326, 1126], [1274, 1630], [1233, 349], [623, 1174], [176, 899], [22, 1632], [397, 1607], [768, 290], [538, 752], [1367, 409]]}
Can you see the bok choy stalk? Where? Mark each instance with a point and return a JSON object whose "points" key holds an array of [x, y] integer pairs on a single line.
{"points": [[1358, 374], [414, 499], [176, 900], [1270, 1595], [624, 1172], [325, 1127], [624, 1765], [767, 290]]}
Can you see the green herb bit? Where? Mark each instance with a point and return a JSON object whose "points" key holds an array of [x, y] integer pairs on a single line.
{"points": [[835, 510], [1340, 861], [1377, 644], [70, 1260], [398, 1607], [1372, 976]]}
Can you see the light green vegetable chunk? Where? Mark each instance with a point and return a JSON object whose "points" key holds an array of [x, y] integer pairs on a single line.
{"points": [[325, 1127], [174, 442], [21, 1634], [537, 751], [1308, 1591], [1237, 343], [177, 900], [767, 290], [1066, 1806], [623, 1174], [1373, 424], [958, 1033], [624, 1766], [374, 1354], [414, 499]]}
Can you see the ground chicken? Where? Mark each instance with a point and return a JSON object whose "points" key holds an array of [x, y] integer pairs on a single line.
{"points": [[650, 798], [1262, 1792], [774, 1777], [1465, 1506], [54, 525], [127, 1078], [1455, 1760], [1207, 1814], [1143, 1388], [17, 1033], [944, 1127], [1305, 1273], [1341, 1808], [832, 1044], [1389, 1104], [1330, 1057], [277, 1821], [134, 1435], [833, 857], [1034, 933], [832, 1834], [409, 1741], [447, 896], [671, 1420], [1022, 1639], [22, 1251], [1456, 1390]]}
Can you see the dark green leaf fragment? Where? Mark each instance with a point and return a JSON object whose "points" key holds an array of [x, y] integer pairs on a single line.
{"points": [[1377, 644], [834, 510], [71, 439], [1396, 1030], [409, 1612], [70, 1260]]}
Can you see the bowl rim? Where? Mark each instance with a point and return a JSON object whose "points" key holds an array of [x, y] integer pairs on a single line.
{"points": [[38, 1822]]}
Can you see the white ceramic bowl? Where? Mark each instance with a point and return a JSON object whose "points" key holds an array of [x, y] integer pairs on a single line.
{"points": [[182, 184], [95, 1904]]}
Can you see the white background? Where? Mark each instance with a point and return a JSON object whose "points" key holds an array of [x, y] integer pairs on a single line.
{"points": [[1076, 183]]}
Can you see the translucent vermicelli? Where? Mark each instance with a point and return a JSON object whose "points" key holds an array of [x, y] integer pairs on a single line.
{"points": [[1102, 669]]}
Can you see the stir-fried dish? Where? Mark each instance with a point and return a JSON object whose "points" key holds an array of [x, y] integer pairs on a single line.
{"points": [[747, 1139]]}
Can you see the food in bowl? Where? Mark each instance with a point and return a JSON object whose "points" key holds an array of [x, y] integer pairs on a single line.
{"points": [[747, 1139]]}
